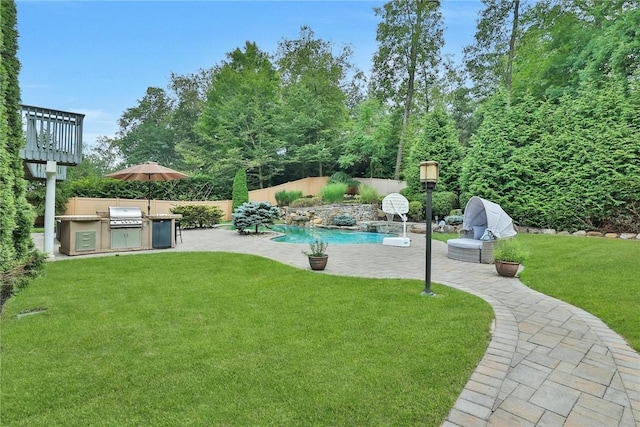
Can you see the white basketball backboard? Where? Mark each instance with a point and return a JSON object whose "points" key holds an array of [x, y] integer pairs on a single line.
{"points": [[395, 203]]}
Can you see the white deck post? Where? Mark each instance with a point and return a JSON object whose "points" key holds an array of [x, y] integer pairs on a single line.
{"points": [[50, 208]]}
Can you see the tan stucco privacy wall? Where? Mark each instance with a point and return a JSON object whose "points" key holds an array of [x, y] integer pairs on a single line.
{"points": [[308, 186]]}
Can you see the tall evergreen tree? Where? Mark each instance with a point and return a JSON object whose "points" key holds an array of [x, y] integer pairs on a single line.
{"points": [[584, 165], [484, 170], [436, 139], [16, 215]]}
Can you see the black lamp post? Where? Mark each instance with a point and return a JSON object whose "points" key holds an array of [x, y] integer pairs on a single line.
{"points": [[428, 176]]}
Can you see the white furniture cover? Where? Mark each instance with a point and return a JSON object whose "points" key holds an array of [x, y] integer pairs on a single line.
{"points": [[481, 213]]}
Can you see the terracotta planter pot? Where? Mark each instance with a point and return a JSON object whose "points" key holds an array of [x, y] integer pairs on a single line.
{"points": [[506, 268], [318, 262]]}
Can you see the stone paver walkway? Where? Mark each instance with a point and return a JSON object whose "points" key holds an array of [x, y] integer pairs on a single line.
{"points": [[548, 363]]}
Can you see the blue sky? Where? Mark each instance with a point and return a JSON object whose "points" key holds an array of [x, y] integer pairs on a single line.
{"points": [[99, 57]]}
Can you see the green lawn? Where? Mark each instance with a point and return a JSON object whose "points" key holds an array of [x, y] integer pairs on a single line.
{"points": [[599, 275], [227, 339]]}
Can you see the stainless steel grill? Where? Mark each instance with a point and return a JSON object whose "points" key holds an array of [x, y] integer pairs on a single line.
{"points": [[125, 217]]}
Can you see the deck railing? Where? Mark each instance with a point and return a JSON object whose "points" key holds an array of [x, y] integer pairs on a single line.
{"points": [[52, 135]]}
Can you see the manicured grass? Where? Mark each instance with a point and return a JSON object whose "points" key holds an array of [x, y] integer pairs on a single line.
{"points": [[601, 276], [228, 339], [443, 237]]}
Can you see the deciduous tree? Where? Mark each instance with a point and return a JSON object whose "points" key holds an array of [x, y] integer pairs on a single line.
{"points": [[145, 130], [366, 140], [490, 60], [408, 57], [314, 110], [238, 121], [190, 95]]}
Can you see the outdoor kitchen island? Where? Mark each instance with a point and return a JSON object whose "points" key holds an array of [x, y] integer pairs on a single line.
{"points": [[92, 234]]}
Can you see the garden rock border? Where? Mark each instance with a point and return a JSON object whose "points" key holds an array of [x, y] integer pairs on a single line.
{"points": [[420, 229], [579, 233]]}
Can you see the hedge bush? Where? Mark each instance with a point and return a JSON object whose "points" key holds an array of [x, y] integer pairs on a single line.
{"points": [[443, 203], [285, 198], [569, 163], [416, 211], [198, 216], [195, 188], [306, 202]]}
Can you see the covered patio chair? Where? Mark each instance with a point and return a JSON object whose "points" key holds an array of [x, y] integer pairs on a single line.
{"points": [[484, 222]]}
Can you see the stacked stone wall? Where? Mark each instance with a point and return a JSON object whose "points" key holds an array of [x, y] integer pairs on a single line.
{"points": [[323, 215], [371, 218]]}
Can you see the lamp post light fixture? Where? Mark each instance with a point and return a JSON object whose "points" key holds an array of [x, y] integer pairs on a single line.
{"points": [[428, 176]]}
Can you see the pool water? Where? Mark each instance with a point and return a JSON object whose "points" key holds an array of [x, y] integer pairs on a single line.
{"points": [[294, 234]]}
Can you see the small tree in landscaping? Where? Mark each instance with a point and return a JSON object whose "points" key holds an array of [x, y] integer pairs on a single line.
{"points": [[254, 214], [240, 193]]}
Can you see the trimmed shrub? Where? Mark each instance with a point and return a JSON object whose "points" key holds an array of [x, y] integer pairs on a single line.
{"points": [[284, 197], [199, 187], [344, 220], [334, 193], [368, 194], [453, 219], [198, 216], [344, 178], [254, 214], [416, 211], [443, 203], [306, 202]]}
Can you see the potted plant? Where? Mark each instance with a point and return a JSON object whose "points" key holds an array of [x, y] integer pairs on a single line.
{"points": [[317, 256], [507, 256]]}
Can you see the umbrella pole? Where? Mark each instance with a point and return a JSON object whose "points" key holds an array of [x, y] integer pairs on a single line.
{"points": [[149, 199]]}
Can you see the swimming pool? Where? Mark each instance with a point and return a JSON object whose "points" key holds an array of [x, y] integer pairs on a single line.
{"points": [[294, 234]]}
